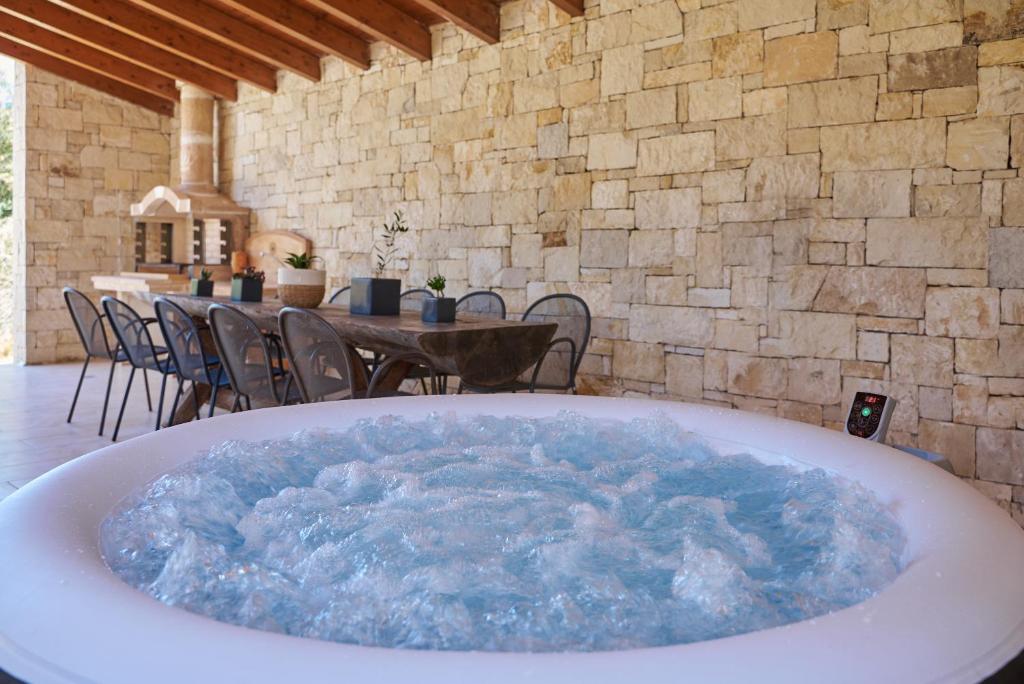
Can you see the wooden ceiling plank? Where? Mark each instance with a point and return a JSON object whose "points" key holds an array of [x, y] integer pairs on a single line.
{"points": [[86, 57], [153, 30], [478, 17], [85, 77], [96, 35], [211, 22], [383, 21], [307, 27], [573, 8]]}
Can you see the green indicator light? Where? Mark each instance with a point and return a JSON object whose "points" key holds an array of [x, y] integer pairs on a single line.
{"points": [[865, 412]]}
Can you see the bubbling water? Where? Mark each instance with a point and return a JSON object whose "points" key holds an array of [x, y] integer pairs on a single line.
{"points": [[502, 534]]}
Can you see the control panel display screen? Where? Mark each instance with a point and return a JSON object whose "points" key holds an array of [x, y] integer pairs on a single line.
{"points": [[865, 414]]}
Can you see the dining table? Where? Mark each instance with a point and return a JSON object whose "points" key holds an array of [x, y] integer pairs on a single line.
{"points": [[484, 352]]}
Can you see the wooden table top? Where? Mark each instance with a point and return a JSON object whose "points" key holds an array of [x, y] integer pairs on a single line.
{"points": [[482, 351]]}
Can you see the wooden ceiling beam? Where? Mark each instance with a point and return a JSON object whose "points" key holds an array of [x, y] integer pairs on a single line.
{"points": [[153, 30], [573, 8], [100, 37], [383, 21], [237, 34], [306, 27], [85, 77], [86, 57], [478, 17]]}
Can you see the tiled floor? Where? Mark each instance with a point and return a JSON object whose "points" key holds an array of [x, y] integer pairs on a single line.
{"points": [[34, 403]]}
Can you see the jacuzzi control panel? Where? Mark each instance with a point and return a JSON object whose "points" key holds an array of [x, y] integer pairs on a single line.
{"points": [[869, 416]]}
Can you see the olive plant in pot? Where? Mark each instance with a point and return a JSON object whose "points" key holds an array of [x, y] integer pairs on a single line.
{"points": [[299, 284], [438, 309], [379, 296], [247, 286], [203, 285]]}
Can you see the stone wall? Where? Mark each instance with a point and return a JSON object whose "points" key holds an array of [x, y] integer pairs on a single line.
{"points": [[768, 204], [81, 158]]}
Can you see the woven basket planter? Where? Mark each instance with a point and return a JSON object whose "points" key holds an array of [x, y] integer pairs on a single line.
{"points": [[304, 288]]}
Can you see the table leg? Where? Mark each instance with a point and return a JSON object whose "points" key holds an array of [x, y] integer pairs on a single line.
{"points": [[187, 404], [393, 377]]}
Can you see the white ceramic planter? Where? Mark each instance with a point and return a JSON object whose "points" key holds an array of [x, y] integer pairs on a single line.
{"points": [[956, 614], [301, 276]]}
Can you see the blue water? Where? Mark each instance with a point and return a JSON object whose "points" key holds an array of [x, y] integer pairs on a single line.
{"points": [[502, 534]]}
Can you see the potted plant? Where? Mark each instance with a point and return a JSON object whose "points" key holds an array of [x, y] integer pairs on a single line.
{"points": [[298, 284], [247, 286], [379, 296], [202, 286], [438, 309]]}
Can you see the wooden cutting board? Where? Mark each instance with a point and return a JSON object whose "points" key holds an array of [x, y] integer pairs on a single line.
{"points": [[267, 249]]}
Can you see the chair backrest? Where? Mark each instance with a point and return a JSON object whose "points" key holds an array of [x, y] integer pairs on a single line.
{"points": [[412, 300], [573, 318], [88, 323], [342, 297], [244, 354], [132, 334], [322, 363], [183, 341], [483, 303]]}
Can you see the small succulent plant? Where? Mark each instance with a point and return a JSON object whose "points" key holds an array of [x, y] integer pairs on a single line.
{"points": [[204, 274], [385, 247], [437, 284], [301, 261], [250, 273]]}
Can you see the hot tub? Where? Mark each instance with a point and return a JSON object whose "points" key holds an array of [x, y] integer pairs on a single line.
{"points": [[956, 613]]}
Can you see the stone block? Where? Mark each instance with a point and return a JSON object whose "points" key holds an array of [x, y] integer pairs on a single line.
{"points": [[801, 58], [622, 70], [612, 194], [947, 68], [918, 143], [755, 14], [1017, 142], [561, 264], [553, 141], [978, 144], [651, 248], [795, 287], [834, 14], [935, 404], [829, 103], [688, 327], [955, 442], [1012, 307], [604, 248], [937, 242], [811, 334], [1000, 90], [682, 153], [639, 361], [927, 38], [651, 108], [873, 291], [720, 98], [661, 209], [754, 376], [866, 194], [794, 176], [814, 381], [986, 20], [723, 186], [703, 24], [758, 136], [1006, 254], [950, 101], [684, 376], [611, 151], [894, 15], [654, 21], [1013, 202], [738, 54], [920, 360], [947, 200], [998, 455], [873, 346], [962, 312]]}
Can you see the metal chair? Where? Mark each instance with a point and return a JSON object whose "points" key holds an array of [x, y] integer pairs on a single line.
{"points": [[325, 367], [132, 332], [191, 362], [93, 335], [342, 297], [557, 367], [246, 355], [483, 303], [412, 300]]}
